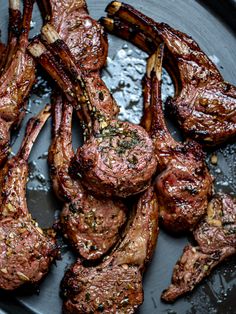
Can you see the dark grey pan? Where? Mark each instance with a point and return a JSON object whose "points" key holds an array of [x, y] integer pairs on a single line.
{"points": [[212, 25]]}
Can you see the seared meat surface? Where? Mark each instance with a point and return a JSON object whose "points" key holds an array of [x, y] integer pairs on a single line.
{"points": [[205, 105], [184, 183], [216, 239], [92, 225], [17, 75], [117, 159], [115, 286], [26, 252]]}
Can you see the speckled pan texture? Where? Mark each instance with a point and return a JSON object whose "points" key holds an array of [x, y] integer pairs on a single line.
{"points": [[210, 23]]}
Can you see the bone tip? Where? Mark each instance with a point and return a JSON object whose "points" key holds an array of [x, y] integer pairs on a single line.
{"points": [[107, 23], [36, 48], [113, 7], [14, 4], [49, 33]]}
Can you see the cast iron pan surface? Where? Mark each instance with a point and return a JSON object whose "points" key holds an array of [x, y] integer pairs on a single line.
{"points": [[125, 68]]}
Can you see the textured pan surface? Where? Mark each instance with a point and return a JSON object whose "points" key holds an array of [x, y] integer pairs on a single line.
{"points": [[125, 68]]}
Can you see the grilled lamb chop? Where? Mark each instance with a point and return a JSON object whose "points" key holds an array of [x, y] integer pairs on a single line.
{"points": [[216, 238], [118, 158], [204, 103], [115, 286], [91, 224], [184, 183], [17, 77], [26, 252], [88, 45]]}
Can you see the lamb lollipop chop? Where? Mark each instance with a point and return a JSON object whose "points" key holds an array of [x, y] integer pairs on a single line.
{"points": [[26, 252], [204, 103], [216, 239], [17, 77], [117, 159], [115, 286], [184, 183], [92, 225], [87, 42]]}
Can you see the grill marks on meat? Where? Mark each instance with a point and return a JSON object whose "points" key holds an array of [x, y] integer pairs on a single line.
{"points": [[118, 157], [26, 252], [92, 225], [216, 239], [18, 74], [184, 183], [115, 286], [205, 104]]}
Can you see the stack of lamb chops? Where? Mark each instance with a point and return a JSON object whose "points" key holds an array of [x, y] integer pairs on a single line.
{"points": [[184, 184], [180, 208], [206, 109], [119, 160], [132, 150]]}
